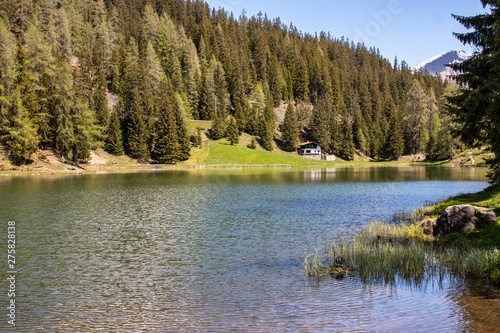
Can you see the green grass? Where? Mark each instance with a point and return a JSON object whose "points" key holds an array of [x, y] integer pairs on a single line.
{"points": [[488, 236], [480, 156], [222, 153]]}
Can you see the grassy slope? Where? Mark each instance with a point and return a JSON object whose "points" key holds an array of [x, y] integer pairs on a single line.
{"points": [[222, 153]]}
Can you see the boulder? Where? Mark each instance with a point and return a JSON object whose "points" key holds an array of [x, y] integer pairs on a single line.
{"points": [[459, 217], [428, 225]]}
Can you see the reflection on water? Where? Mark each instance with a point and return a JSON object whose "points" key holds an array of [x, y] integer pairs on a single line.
{"points": [[221, 250]]}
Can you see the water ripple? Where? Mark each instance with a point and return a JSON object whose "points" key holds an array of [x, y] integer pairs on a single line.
{"points": [[220, 251]]}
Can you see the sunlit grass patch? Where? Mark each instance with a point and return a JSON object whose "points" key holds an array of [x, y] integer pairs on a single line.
{"points": [[222, 153]]}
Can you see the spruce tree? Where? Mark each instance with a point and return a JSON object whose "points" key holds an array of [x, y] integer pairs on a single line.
{"points": [[204, 100], [253, 144], [322, 130], [100, 99], [394, 145], [85, 130], [167, 149], [476, 108], [218, 128], [114, 140], [347, 146], [267, 127], [290, 130], [19, 136], [232, 132], [181, 128], [136, 129], [301, 80], [198, 140], [7, 72]]}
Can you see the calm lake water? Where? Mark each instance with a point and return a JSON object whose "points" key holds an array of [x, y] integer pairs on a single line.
{"points": [[221, 250]]}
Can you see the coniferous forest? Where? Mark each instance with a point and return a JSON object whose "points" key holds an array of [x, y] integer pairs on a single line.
{"points": [[128, 75]]}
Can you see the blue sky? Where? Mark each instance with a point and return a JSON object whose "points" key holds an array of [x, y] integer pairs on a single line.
{"points": [[412, 30]]}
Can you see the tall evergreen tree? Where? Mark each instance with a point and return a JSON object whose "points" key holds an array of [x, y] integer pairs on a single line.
{"points": [[290, 129], [99, 98], [19, 136], [85, 132], [476, 108], [114, 140], [218, 128], [347, 146], [267, 127], [167, 149], [232, 132], [182, 132], [204, 99], [415, 118], [136, 129], [394, 145], [321, 125], [7, 72]]}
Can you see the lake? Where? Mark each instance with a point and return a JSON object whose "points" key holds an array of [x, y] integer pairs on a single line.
{"points": [[221, 250]]}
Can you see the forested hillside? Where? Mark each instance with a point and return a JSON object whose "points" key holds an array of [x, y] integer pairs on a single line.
{"points": [[128, 74]]}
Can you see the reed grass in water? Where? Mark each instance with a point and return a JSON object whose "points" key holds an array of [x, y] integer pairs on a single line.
{"points": [[390, 253]]}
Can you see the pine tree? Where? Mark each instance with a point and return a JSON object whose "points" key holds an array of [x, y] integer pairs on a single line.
{"points": [[476, 108], [232, 132], [301, 80], [20, 136], [7, 72], [197, 138], [204, 100], [394, 145], [85, 131], [114, 140], [290, 129], [218, 128], [347, 146], [252, 124], [267, 127], [167, 149], [182, 132], [275, 80], [416, 118], [253, 143], [136, 129], [191, 73], [100, 99], [322, 130], [361, 140]]}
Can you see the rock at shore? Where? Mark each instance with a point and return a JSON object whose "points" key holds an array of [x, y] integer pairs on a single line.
{"points": [[458, 217]]}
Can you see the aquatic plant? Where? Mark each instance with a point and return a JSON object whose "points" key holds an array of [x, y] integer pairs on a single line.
{"points": [[401, 251], [313, 266], [398, 258]]}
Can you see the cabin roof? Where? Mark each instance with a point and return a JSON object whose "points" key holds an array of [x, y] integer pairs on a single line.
{"points": [[308, 143]]}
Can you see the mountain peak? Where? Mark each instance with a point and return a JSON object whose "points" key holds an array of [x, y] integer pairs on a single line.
{"points": [[437, 64]]}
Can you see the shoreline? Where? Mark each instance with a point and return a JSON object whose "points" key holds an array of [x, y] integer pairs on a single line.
{"points": [[473, 254], [85, 169]]}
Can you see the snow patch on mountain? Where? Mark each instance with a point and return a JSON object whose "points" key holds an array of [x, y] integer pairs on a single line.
{"points": [[437, 64]]}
